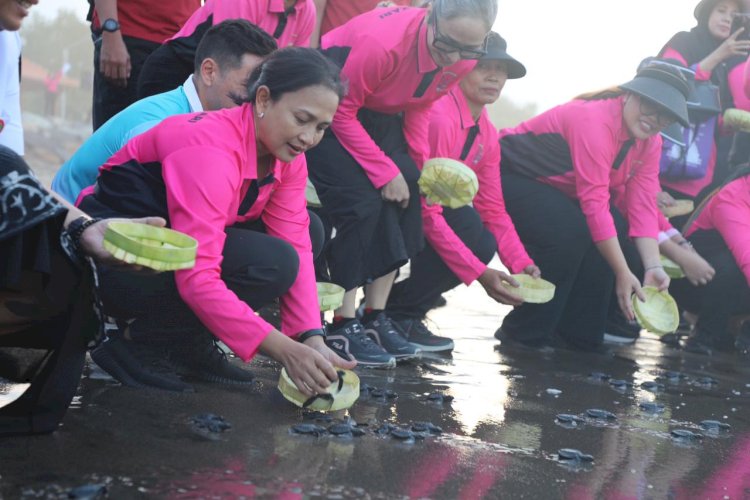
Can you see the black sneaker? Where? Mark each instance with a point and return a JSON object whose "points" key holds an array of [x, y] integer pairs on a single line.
{"points": [[350, 342], [619, 330], [506, 340], [418, 334], [137, 365], [387, 335], [203, 358]]}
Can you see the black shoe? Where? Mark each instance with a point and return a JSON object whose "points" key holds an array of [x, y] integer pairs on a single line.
{"points": [[203, 358], [387, 335], [541, 345], [350, 342], [619, 330], [137, 365], [418, 334]]}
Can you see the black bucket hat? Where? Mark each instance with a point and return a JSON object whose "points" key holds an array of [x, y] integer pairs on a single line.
{"points": [[664, 85], [496, 51]]}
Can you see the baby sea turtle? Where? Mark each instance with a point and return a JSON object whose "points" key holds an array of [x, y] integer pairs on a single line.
{"points": [[88, 492], [426, 427], [601, 414], [385, 428], [650, 407], [652, 386], [309, 429], [601, 377], [439, 397], [618, 383], [574, 455], [210, 422], [567, 418], [685, 435], [714, 425], [707, 381], [340, 429], [672, 375], [402, 434], [317, 415]]}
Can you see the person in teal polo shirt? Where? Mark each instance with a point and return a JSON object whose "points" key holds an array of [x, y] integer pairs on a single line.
{"points": [[225, 57]]}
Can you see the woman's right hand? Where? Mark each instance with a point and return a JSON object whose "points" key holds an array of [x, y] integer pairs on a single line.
{"points": [[396, 190], [310, 371], [732, 47], [626, 284], [492, 280], [696, 269]]}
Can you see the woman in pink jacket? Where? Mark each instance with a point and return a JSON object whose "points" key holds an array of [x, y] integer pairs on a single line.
{"points": [[563, 174], [720, 231], [461, 242], [290, 22], [397, 61], [233, 179]]}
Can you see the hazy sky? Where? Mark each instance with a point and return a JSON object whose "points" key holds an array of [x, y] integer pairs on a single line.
{"points": [[568, 47]]}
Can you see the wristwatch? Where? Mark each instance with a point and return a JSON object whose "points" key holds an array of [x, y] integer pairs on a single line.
{"points": [[110, 25]]}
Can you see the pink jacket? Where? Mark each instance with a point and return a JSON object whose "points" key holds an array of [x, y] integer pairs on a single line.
{"points": [[387, 63], [263, 13], [573, 147], [728, 212], [450, 122], [207, 161]]}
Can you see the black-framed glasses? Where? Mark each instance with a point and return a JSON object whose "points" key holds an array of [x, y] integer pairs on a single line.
{"points": [[649, 108], [449, 46]]}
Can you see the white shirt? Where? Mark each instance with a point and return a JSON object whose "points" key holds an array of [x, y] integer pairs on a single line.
{"points": [[10, 91]]}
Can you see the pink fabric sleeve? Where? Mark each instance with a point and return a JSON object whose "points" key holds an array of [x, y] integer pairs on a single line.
{"points": [[306, 25], [457, 256], [730, 215], [747, 79], [366, 66], [591, 152], [700, 73], [198, 200], [285, 217], [640, 194], [490, 204]]}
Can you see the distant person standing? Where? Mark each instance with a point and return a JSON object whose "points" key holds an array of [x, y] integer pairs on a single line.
{"points": [[11, 130], [124, 34], [51, 89], [290, 22]]}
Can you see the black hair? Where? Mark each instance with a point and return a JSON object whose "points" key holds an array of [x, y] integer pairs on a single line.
{"points": [[294, 68], [227, 42]]}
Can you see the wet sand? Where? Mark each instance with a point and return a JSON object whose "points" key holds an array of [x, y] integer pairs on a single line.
{"points": [[500, 434]]}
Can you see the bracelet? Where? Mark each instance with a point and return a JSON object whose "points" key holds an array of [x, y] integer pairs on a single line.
{"points": [[685, 242], [315, 332], [75, 230], [654, 267]]}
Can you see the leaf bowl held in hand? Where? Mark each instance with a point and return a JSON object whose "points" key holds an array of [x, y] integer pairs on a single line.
{"points": [[330, 296], [154, 247], [311, 195], [532, 290], [659, 313], [340, 395], [673, 270], [448, 182]]}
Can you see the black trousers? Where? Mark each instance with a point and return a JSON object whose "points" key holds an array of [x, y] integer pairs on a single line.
{"points": [[257, 267], [724, 296], [373, 236], [555, 233], [108, 98], [430, 276], [163, 71]]}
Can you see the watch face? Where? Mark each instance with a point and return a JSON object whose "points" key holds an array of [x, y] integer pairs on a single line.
{"points": [[110, 25]]}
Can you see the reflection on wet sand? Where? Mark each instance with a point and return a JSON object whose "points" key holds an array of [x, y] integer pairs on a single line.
{"points": [[500, 436]]}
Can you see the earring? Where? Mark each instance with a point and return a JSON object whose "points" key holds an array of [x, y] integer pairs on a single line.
{"points": [[261, 114]]}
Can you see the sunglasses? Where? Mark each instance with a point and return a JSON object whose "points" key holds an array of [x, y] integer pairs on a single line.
{"points": [[447, 45]]}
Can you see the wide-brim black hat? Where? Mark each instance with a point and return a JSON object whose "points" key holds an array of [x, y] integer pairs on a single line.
{"points": [[497, 51], [665, 86]]}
